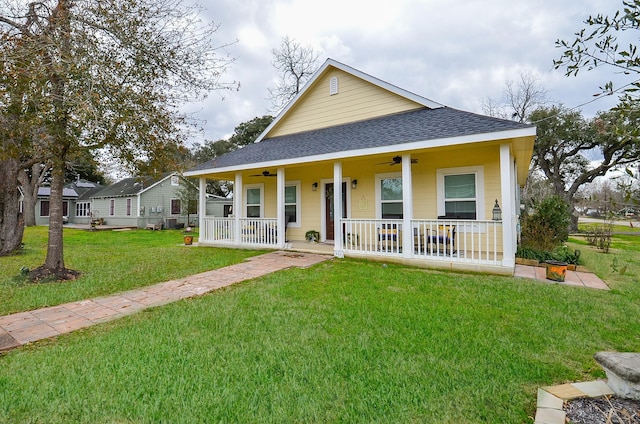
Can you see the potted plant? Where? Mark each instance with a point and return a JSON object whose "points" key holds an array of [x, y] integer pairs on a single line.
{"points": [[312, 236], [188, 237]]}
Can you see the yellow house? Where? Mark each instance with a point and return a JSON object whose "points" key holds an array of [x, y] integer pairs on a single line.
{"points": [[411, 180]]}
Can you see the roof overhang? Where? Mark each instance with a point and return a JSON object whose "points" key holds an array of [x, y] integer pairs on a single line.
{"points": [[523, 139]]}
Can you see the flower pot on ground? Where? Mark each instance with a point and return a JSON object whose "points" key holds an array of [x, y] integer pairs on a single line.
{"points": [[556, 270], [312, 236], [188, 237]]}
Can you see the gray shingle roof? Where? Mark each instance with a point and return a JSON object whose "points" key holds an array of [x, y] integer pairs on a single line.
{"points": [[418, 125], [127, 187]]}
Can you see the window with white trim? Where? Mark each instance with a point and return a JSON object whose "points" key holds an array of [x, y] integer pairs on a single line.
{"points": [[460, 193], [175, 206], [83, 209], [389, 196], [128, 207], [112, 207], [292, 203], [44, 208], [253, 201]]}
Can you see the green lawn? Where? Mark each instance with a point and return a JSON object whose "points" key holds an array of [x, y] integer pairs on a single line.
{"points": [[344, 341], [110, 261]]}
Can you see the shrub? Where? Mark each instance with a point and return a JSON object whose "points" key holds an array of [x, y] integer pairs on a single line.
{"points": [[548, 226], [560, 253], [600, 237]]}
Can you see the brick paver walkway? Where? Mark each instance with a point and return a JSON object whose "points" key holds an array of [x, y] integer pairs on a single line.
{"points": [[572, 278], [27, 327]]}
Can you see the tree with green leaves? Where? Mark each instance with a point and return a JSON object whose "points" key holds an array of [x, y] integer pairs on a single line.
{"points": [[566, 141], [105, 75], [243, 135], [188, 195], [598, 45]]}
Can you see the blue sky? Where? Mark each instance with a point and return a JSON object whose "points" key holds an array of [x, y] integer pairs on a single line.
{"points": [[457, 53]]}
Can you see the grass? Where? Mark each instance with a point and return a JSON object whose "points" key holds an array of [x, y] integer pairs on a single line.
{"points": [[344, 341], [634, 228], [110, 261]]}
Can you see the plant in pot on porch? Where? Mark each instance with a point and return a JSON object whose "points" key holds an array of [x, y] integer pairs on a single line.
{"points": [[312, 236], [188, 236]]}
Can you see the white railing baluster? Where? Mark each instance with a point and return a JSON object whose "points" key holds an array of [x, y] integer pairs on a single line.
{"points": [[474, 241]]}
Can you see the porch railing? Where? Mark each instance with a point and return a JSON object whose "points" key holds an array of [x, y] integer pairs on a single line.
{"points": [[253, 231], [466, 241]]}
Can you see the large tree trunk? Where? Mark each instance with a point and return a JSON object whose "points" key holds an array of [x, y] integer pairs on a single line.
{"points": [[11, 223], [53, 267], [54, 261], [29, 186]]}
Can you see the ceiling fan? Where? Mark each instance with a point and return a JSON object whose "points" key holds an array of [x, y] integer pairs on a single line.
{"points": [[397, 160], [264, 173]]}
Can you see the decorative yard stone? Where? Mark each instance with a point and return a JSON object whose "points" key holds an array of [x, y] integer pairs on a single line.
{"points": [[623, 372]]}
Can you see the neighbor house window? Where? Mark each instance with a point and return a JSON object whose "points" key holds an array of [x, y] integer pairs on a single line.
{"points": [[389, 194], [254, 201], [128, 207], [44, 208], [292, 203], [460, 193], [65, 208], [83, 209], [175, 206], [112, 207]]}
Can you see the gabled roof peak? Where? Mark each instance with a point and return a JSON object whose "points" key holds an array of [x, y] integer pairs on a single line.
{"points": [[331, 63]]}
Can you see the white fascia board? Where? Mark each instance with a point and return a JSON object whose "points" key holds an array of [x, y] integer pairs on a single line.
{"points": [[157, 182], [395, 148]]}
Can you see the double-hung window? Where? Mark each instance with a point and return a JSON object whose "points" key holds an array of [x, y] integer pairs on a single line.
{"points": [[389, 194], [292, 203], [460, 193], [253, 201]]}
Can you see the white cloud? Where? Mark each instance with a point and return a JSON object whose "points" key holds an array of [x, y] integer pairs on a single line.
{"points": [[456, 53]]}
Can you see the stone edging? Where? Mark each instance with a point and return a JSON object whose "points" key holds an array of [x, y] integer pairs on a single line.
{"points": [[551, 399]]}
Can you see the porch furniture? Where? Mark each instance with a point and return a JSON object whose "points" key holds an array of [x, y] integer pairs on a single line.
{"points": [[388, 236], [153, 226], [252, 233], [446, 237]]}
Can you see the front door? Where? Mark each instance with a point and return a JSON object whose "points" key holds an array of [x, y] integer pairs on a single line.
{"points": [[328, 207]]}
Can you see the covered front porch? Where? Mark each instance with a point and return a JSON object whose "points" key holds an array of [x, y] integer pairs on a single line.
{"points": [[410, 223], [463, 244]]}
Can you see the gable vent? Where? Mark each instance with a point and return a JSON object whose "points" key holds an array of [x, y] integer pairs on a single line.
{"points": [[333, 86]]}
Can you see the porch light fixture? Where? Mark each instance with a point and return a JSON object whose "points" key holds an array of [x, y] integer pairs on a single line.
{"points": [[314, 186], [497, 212], [354, 184]]}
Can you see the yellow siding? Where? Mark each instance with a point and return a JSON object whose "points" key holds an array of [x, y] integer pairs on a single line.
{"points": [[356, 100], [363, 199]]}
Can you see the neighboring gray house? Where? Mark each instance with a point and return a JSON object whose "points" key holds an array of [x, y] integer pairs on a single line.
{"points": [[136, 202], [131, 202], [69, 198]]}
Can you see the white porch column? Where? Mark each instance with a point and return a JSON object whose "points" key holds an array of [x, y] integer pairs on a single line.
{"points": [[237, 206], [280, 207], [507, 206], [202, 206], [407, 206], [337, 210]]}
